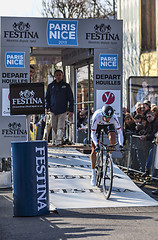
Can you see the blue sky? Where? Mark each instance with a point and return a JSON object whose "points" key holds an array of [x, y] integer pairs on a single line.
{"points": [[21, 8]]}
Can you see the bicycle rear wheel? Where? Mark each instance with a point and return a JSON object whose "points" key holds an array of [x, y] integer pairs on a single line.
{"points": [[98, 169], [108, 177]]}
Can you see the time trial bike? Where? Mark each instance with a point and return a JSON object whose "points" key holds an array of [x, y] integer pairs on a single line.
{"points": [[104, 168]]}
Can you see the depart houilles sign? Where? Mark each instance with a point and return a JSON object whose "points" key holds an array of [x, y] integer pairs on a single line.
{"points": [[27, 98]]}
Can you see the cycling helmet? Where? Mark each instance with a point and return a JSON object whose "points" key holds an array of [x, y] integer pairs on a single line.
{"points": [[107, 111]]}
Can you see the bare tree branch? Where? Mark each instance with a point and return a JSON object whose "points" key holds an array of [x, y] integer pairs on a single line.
{"points": [[77, 8]]}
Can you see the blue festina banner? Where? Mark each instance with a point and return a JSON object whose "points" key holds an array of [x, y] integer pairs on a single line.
{"points": [[15, 59], [62, 32], [108, 61], [30, 178]]}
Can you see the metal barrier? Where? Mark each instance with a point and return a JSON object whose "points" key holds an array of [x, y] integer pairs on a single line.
{"points": [[136, 152]]}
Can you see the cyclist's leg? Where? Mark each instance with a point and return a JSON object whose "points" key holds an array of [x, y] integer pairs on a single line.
{"points": [[93, 163], [93, 156], [112, 135], [112, 139]]}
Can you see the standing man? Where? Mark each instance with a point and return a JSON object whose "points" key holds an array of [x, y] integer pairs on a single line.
{"points": [[59, 101]]}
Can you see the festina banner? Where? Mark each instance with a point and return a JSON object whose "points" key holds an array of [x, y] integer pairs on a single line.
{"points": [[27, 98]]}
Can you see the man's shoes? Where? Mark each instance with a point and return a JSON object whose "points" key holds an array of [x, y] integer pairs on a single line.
{"points": [[93, 181], [146, 174], [155, 192]]}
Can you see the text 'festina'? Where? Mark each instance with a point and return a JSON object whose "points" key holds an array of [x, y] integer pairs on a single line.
{"points": [[41, 177]]}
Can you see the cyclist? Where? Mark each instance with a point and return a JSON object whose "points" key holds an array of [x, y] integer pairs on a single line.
{"points": [[103, 119]]}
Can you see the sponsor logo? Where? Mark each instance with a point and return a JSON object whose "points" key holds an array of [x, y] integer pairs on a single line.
{"points": [[14, 129], [108, 61], [60, 32], [102, 32], [26, 98], [14, 77], [21, 30], [15, 60], [108, 97], [41, 177], [21, 27]]}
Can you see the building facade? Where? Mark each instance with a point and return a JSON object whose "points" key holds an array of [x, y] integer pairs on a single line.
{"points": [[139, 38]]}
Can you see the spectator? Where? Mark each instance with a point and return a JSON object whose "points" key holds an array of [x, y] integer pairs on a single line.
{"points": [[143, 126], [138, 109], [153, 105], [152, 127], [124, 110], [83, 127], [129, 124], [40, 127], [124, 113], [149, 136], [154, 109], [148, 103], [138, 121], [47, 127], [147, 106], [138, 118], [59, 100], [155, 192], [143, 109], [81, 118], [78, 118], [92, 110], [129, 127], [150, 161], [33, 128]]}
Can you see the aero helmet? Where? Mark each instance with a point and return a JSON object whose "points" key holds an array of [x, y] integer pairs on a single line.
{"points": [[107, 111]]}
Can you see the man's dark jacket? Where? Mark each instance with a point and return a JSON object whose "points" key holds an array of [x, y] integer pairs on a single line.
{"points": [[59, 97]]}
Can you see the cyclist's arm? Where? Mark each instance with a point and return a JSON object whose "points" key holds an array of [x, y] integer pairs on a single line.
{"points": [[93, 129]]}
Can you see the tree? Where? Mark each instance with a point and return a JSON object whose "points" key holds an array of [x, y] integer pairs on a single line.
{"points": [[77, 8]]}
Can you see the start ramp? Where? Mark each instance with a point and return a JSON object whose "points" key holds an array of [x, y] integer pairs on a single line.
{"points": [[70, 187]]}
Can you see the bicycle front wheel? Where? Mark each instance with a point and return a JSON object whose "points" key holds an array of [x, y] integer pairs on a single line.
{"points": [[108, 177]]}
